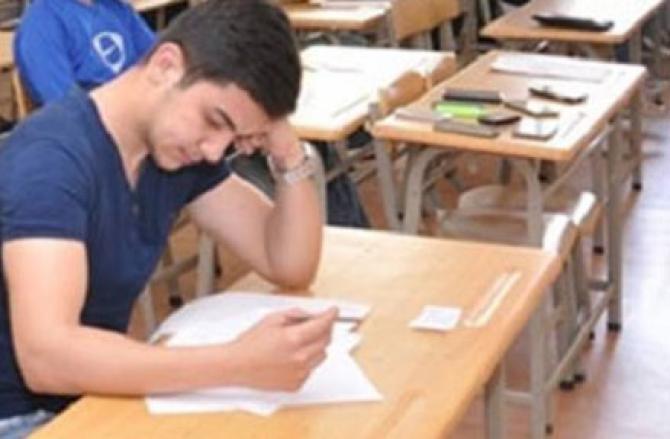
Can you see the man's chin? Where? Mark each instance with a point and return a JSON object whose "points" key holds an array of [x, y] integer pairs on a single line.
{"points": [[169, 165]]}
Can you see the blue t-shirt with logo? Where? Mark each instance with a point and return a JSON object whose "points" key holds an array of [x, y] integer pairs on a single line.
{"points": [[61, 176], [61, 43]]}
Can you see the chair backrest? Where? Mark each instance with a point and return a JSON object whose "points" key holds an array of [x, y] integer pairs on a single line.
{"points": [[441, 71], [22, 101], [413, 18], [404, 90]]}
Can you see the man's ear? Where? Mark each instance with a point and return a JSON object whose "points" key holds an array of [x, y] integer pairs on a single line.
{"points": [[166, 65]]}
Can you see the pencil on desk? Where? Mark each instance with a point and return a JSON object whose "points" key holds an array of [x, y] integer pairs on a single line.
{"points": [[489, 303]]}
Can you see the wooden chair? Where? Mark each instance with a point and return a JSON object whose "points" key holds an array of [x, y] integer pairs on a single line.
{"points": [[440, 72], [411, 21], [23, 104], [402, 92]]}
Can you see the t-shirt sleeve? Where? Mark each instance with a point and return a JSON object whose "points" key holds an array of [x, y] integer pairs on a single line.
{"points": [[41, 54], [206, 176], [44, 193]]}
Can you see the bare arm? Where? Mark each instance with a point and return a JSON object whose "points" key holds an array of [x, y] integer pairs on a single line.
{"points": [[56, 354], [282, 241]]}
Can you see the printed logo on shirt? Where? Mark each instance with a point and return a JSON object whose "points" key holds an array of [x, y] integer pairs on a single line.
{"points": [[109, 47]]}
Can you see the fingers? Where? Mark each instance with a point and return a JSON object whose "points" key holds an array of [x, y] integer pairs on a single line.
{"points": [[251, 143], [317, 327], [314, 354]]}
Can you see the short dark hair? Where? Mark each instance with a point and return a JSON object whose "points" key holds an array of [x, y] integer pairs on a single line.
{"points": [[246, 42]]}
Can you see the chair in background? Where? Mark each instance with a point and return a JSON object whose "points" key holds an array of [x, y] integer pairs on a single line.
{"points": [[23, 104], [410, 22]]}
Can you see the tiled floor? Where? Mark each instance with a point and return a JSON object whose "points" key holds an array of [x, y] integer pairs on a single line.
{"points": [[627, 391]]}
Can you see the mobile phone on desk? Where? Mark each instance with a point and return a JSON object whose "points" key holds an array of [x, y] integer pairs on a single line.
{"points": [[498, 118], [536, 129], [573, 22], [472, 95], [534, 109], [563, 95]]}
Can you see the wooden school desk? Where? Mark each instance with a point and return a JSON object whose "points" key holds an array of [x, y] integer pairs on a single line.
{"points": [[580, 126], [427, 379], [339, 84], [628, 17], [363, 17], [388, 21]]}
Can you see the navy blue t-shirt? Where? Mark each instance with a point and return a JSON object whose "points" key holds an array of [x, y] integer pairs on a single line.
{"points": [[61, 176]]}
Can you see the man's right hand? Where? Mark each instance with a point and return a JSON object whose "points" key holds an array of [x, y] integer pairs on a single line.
{"points": [[281, 350]]}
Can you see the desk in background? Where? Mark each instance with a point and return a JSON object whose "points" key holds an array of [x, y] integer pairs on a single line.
{"points": [[428, 379], [581, 127], [339, 84], [628, 17], [366, 17]]}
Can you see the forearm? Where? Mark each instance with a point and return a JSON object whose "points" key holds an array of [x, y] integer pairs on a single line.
{"points": [[294, 232], [84, 360]]}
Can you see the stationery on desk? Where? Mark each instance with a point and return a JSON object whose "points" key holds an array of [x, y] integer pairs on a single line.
{"points": [[486, 306], [532, 65], [221, 318]]}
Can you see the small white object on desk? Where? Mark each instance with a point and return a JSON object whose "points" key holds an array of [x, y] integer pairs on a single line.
{"points": [[436, 318]]}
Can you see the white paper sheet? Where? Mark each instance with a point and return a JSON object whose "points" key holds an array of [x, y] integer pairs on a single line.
{"points": [[217, 308], [219, 319], [533, 65]]}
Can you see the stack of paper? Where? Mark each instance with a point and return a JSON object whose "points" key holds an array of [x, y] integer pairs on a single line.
{"points": [[221, 318], [542, 66]]}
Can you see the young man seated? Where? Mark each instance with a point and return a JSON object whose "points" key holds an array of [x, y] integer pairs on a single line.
{"points": [[89, 188]]}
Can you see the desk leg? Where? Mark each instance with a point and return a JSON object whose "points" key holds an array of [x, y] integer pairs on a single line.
{"points": [[206, 263], [540, 395], [614, 225], [636, 139], [538, 405], [387, 183], [530, 173], [494, 403], [656, 41], [468, 35], [635, 51], [414, 187]]}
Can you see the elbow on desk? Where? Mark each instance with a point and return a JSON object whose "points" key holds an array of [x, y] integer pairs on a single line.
{"points": [[39, 372], [293, 278]]}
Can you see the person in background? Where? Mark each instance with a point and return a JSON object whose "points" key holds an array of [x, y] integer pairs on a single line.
{"points": [[60, 43]]}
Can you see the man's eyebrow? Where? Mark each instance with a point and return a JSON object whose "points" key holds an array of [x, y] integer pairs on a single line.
{"points": [[221, 112]]}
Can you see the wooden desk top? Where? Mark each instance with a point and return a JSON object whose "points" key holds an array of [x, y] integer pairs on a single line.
{"points": [[339, 83], [326, 17], [428, 379], [627, 16], [148, 5], [579, 124], [6, 50]]}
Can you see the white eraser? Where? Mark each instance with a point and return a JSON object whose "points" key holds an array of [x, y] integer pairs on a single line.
{"points": [[437, 318]]}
